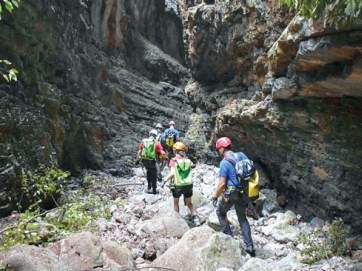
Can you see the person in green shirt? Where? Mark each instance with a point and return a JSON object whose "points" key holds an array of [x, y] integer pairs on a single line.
{"points": [[181, 173]]}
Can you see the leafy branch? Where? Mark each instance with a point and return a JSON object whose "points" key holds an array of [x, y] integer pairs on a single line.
{"points": [[9, 5], [336, 11], [77, 209], [12, 73], [8, 74], [335, 245], [27, 221]]}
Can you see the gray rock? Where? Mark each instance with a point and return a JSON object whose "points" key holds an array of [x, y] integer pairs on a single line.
{"points": [[317, 222]]}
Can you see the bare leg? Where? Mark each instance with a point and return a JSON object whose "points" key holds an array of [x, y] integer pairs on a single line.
{"points": [[194, 216], [191, 206], [175, 204]]}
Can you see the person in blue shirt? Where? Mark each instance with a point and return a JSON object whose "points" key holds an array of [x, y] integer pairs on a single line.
{"points": [[227, 187], [159, 128], [172, 135]]}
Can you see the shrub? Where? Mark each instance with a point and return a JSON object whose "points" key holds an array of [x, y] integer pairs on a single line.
{"points": [[335, 245]]}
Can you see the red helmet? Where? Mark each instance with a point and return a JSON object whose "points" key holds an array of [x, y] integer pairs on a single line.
{"points": [[223, 142]]}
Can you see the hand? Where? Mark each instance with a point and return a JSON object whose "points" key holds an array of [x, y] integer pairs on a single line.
{"points": [[162, 184], [214, 201], [137, 162]]}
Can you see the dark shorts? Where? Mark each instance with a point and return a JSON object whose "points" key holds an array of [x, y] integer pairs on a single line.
{"points": [[149, 164], [182, 190]]}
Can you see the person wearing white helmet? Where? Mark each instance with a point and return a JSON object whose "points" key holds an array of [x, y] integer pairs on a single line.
{"points": [[161, 161], [148, 151], [172, 135], [159, 128], [160, 135]]}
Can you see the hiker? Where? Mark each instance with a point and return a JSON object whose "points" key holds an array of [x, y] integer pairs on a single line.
{"points": [[160, 135], [161, 161], [230, 195], [183, 181], [148, 151], [171, 136], [159, 129]]}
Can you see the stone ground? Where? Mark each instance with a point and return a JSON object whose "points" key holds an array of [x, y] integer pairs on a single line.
{"points": [[275, 236]]}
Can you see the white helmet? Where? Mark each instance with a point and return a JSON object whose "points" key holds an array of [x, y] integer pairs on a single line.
{"points": [[172, 122], [153, 132], [159, 125]]}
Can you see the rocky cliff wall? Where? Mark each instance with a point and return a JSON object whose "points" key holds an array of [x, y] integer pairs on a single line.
{"points": [[287, 91], [96, 76]]}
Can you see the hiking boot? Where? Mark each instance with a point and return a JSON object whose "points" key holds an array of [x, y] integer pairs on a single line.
{"points": [[251, 212], [250, 251], [196, 220]]}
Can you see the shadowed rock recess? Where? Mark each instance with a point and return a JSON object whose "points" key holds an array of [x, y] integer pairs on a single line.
{"points": [[96, 76]]}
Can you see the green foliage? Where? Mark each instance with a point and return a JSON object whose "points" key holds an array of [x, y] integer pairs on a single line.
{"points": [[5, 267], [18, 233], [8, 74], [336, 11], [9, 5], [80, 209], [335, 245], [43, 183]]}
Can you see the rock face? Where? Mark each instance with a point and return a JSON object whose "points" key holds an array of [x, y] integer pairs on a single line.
{"points": [[196, 249], [290, 99], [96, 76], [82, 251], [94, 79]]}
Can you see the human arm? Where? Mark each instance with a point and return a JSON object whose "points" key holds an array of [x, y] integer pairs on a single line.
{"points": [[163, 154], [169, 176], [137, 161], [220, 187], [160, 152], [193, 165], [139, 154]]}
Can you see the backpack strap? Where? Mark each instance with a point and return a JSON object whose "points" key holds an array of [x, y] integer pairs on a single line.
{"points": [[231, 158], [179, 164]]}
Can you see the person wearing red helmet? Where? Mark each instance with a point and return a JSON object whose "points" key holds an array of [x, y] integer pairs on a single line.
{"points": [[227, 188], [148, 152]]}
